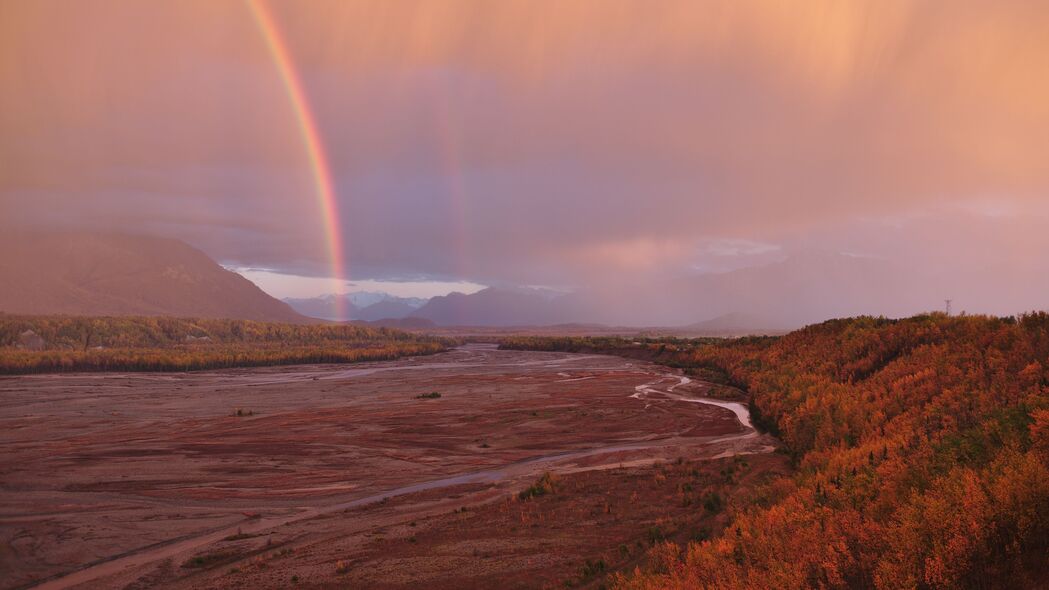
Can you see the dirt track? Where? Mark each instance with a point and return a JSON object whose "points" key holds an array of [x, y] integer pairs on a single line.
{"points": [[124, 479]]}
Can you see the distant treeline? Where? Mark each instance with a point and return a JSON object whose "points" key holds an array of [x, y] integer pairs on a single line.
{"points": [[922, 455], [605, 344], [663, 350], [33, 344]]}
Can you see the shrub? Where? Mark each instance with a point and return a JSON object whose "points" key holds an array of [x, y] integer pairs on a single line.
{"points": [[712, 503], [547, 484]]}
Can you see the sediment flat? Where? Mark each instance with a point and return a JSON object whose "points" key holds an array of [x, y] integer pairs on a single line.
{"points": [[204, 479]]}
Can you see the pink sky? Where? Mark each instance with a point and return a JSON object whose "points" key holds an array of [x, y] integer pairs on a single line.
{"points": [[568, 143]]}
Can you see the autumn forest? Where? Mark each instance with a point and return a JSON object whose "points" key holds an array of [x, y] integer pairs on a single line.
{"points": [[921, 449], [31, 344]]}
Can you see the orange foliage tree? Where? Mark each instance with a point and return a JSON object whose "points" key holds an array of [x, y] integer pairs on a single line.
{"points": [[921, 449], [180, 344]]}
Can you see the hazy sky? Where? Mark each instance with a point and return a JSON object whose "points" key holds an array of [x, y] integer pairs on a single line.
{"points": [[561, 143]]}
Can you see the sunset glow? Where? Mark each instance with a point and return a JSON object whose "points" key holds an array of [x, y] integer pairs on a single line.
{"points": [[604, 149]]}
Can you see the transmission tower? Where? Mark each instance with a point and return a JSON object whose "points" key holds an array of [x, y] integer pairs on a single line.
{"points": [[948, 302]]}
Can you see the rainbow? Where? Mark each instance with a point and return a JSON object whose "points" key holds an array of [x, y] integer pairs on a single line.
{"points": [[450, 155], [319, 166]]}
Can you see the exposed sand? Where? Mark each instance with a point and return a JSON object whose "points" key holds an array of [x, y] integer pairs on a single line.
{"points": [[117, 479]]}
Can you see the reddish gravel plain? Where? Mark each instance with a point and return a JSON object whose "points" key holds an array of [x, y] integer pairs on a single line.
{"points": [[347, 476]]}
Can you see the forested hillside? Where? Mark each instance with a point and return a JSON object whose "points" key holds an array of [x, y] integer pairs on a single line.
{"points": [[922, 455], [63, 343]]}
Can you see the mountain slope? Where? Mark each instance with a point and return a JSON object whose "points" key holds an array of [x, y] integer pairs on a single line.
{"points": [[113, 274], [359, 305], [386, 309], [493, 307], [325, 307]]}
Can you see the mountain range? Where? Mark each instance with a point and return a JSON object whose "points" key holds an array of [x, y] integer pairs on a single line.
{"points": [[494, 307], [805, 288], [112, 274], [80, 273], [366, 306], [775, 297]]}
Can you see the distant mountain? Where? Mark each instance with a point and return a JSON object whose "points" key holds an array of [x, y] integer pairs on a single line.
{"points": [[736, 324], [359, 305], [362, 299], [387, 309], [805, 288], [114, 274], [325, 307], [494, 307], [400, 323]]}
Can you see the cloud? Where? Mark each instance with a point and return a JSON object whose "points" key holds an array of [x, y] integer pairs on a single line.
{"points": [[525, 142]]}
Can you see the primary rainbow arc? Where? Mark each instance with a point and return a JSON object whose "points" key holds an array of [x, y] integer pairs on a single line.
{"points": [[318, 160]]}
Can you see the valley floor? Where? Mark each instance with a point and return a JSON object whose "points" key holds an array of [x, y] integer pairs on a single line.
{"points": [[328, 476]]}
